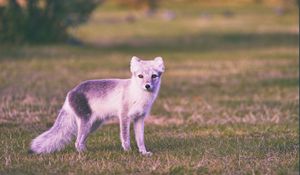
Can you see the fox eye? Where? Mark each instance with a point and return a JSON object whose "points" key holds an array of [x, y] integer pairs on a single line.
{"points": [[154, 76], [140, 76]]}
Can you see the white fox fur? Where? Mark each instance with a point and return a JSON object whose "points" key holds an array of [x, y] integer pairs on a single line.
{"points": [[92, 102]]}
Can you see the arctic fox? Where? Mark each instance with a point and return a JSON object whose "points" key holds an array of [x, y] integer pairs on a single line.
{"points": [[92, 102]]}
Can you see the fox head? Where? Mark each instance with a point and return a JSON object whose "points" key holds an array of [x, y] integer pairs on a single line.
{"points": [[147, 74]]}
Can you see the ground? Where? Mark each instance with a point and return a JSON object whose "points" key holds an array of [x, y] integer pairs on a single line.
{"points": [[228, 102]]}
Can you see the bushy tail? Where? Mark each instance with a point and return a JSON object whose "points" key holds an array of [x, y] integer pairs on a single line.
{"points": [[57, 136]]}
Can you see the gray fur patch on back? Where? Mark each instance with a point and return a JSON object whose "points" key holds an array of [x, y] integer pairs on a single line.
{"points": [[80, 104], [96, 88]]}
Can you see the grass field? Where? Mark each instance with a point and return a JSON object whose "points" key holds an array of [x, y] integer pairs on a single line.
{"points": [[228, 102]]}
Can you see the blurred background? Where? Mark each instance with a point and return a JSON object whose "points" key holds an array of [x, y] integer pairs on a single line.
{"points": [[227, 61], [41, 21], [232, 71]]}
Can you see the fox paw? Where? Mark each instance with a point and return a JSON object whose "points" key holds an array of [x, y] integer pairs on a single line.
{"points": [[146, 153], [127, 149], [80, 147]]}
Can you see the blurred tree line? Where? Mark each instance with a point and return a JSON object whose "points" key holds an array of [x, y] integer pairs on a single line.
{"points": [[38, 21]]}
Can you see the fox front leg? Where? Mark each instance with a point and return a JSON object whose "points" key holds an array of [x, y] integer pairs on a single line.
{"points": [[125, 132], [139, 135]]}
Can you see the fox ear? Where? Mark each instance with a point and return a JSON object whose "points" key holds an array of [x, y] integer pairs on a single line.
{"points": [[134, 64], [159, 63]]}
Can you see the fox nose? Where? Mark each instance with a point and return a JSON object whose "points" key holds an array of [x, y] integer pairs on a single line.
{"points": [[147, 86]]}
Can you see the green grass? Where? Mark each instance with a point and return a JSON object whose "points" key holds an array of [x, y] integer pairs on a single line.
{"points": [[188, 149], [228, 102]]}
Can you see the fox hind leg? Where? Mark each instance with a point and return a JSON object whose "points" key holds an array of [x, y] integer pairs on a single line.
{"points": [[79, 103], [84, 128]]}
